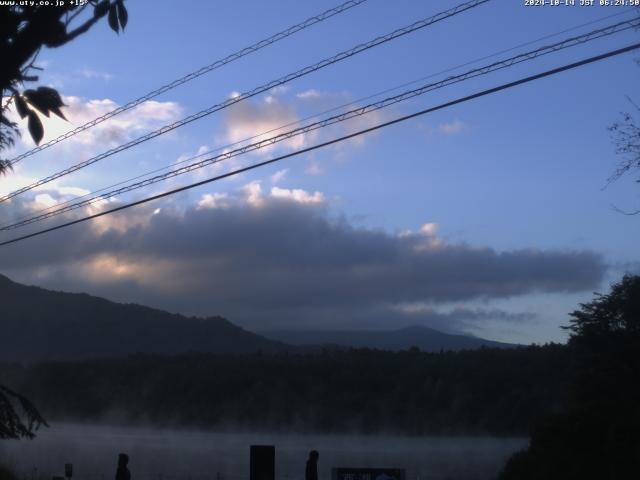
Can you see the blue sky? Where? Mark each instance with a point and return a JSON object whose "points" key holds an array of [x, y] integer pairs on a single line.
{"points": [[517, 172]]}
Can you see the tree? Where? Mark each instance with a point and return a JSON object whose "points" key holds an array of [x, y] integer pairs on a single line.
{"points": [[598, 434], [626, 137], [625, 134], [13, 408], [24, 31]]}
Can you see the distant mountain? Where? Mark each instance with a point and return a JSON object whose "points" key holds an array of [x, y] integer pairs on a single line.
{"points": [[426, 339], [38, 324]]}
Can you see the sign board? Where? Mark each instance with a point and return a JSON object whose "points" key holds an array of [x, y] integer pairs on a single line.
{"points": [[262, 462], [367, 474]]}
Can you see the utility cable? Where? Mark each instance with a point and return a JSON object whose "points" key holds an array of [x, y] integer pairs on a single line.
{"points": [[251, 93], [499, 65], [195, 74], [335, 140], [57, 205]]}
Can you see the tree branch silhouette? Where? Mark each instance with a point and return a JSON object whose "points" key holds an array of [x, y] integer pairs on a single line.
{"points": [[25, 31]]}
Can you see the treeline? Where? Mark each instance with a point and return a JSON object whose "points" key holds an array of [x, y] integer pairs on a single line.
{"points": [[483, 391], [597, 433]]}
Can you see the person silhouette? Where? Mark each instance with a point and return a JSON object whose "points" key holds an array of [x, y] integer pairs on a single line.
{"points": [[123, 473], [311, 472]]}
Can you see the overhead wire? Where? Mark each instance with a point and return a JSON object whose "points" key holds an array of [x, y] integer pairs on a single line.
{"points": [[360, 111], [251, 93], [195, 74], [397, 120], [315, 115]]}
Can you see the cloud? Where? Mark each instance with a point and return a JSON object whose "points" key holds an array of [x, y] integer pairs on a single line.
{"points": [[429, 229], [253, 193], [279, 175], [34, 202], [119, 129], [262, 120], [451, 128], [314, 169], [297, 195], [213, 200], [90, 74], [281, 258], [452, 320], [253, 121], [307, 94]]}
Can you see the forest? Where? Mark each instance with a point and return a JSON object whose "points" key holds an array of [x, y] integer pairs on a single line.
{"points": [[498, 391]]}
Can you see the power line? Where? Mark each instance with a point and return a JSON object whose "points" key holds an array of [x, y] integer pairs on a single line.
{"points": [[74, 200], [195, 74], [499, 65], [336, 140], [268, 86]]}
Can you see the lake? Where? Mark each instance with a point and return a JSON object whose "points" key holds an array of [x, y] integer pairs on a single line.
{"points": [[162, 454]]}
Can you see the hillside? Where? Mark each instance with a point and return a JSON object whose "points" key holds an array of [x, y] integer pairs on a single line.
{"points": [[38, 324]]}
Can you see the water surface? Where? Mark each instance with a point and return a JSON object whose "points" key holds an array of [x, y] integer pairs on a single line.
{"points": [[196, 455]]}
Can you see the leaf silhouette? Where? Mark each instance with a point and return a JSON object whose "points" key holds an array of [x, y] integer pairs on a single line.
{"points": [[122, 13], [51, 98], [21, 106], [45, 100], [38, 100], [52, 94], [101, 9], [59, 113], [113, 19], [35, 127]]}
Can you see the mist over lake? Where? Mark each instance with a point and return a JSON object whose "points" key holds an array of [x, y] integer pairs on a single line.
{"points": [[195, 455]]}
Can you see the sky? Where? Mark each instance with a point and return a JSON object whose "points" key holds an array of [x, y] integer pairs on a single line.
{"points": [[492, 217]]}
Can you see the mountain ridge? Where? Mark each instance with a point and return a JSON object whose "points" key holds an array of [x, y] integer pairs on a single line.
{"points": [[38, 324], [425, 338]]}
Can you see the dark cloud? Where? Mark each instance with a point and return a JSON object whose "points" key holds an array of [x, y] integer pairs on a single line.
{"points": [[287, 262]]}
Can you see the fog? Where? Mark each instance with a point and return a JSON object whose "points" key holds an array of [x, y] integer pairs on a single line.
{"points": [[198, 455]]}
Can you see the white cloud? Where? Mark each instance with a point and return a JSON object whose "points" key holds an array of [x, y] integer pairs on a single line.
{"points": [[121, 128], [279, 175], [426, 238], [307, 94], [44, 200], [203, 149], [75, 191], [90, 74], [313, 169], [213, 200], [297, 195], [34, 201], [279, 90], [253, 193], [262, 120], [429, 229], [451, 128]]}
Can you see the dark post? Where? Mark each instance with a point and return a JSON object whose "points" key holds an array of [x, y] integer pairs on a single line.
{"points": [[262, 462]]}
